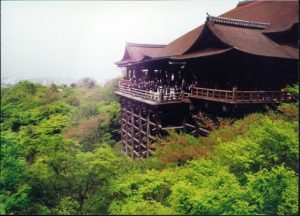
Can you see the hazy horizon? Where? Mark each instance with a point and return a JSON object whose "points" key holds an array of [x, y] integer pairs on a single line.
{"points": [[75, 39]]}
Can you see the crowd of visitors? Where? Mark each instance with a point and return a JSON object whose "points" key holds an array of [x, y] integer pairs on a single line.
{"points": [[158, 86]]}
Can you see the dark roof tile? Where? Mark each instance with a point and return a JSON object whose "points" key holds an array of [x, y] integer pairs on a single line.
{"points": [[276, 16]]}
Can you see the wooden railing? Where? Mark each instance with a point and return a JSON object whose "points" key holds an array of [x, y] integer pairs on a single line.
{"points": [[149, 95], [235, 96]]}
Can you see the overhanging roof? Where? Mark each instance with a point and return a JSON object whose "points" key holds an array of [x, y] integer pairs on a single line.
{"points": [[252, 41], [137, 52], [247, 40], [242, 29], [281, 15]]}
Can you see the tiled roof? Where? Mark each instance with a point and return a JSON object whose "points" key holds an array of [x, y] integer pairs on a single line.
{"points": [[244, 28]]}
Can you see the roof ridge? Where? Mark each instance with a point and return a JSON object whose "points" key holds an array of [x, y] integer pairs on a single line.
{"points": [[244, 2], [237, 22], [146, 45]]}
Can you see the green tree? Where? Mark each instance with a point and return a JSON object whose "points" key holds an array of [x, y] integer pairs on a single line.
{"points": [[274, 191], [265, 144], [14, 192]]}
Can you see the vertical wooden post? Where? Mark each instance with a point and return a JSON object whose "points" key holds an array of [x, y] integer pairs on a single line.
{"points": [[130, 74], [160, 96], [140, 150], [157, 122], [132, 130], [127, 74], [122, 134], [184, 124], [283, 95], [147, 132], [127, 129], [234, 93]]}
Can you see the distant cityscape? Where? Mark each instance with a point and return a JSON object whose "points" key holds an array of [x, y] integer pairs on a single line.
{"points": [[9, 81]]}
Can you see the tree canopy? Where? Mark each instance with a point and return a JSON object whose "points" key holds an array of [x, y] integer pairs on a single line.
{"points": [[60, 155]]}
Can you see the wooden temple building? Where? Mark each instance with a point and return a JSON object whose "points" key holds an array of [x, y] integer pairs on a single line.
{"points": [[233, 64]]}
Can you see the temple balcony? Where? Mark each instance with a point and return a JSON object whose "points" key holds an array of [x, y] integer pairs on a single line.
{"points": [[233, 96], [238, 97], [149, 97]]}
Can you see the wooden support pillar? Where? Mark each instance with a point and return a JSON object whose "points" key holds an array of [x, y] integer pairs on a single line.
{"points": [[126, 129], [184, 124], [147, 132], [140, 138], [132, 130], [127, 74], [234, 93], [157, 122], [140, 123]]}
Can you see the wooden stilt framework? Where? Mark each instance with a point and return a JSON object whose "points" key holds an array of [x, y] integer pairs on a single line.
{"points": [[142, 122], [139, 126]]}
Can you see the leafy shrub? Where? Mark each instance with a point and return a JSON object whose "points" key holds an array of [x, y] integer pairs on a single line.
{"points": [[212, 124], [294, 90], [88, 132], [178, 148], [266, 143], [274, 191], [208, 188], [289, 110]]}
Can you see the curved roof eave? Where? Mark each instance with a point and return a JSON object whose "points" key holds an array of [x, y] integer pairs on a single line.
{"points": [[208, 53], [252, 41]]}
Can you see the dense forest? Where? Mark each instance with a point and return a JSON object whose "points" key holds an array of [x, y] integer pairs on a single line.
{"points": [[60, 155]]}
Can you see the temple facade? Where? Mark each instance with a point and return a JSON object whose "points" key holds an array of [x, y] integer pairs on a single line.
{"points": [[233, 64]]}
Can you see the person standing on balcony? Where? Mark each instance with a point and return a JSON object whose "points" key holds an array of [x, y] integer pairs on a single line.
{"points": [[183, 85]]}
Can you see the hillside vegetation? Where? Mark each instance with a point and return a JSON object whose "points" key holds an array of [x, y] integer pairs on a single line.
{"points": [[60, 155]]}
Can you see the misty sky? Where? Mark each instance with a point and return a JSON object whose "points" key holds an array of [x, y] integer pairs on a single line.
{"points": [[74, 39]]}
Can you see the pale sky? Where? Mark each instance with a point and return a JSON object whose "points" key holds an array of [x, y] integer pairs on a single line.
{"points": [[74, 39]]}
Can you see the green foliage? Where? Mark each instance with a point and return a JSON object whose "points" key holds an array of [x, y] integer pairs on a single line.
{"points": [[208, 188], [199, 187], [134, 190], [99, 167], [103, 127], [13, 191], [112, 125], [274, 191], [88, 132], [178, 148], [291, 110], [212, 123], [59, 155], [264, 144], [86, 111], [294, 90], [41, 171], [108, 90], [18, 202], [28, 103], [53, 125], [12, 162], [141, 207]]}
